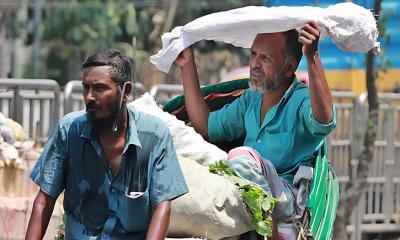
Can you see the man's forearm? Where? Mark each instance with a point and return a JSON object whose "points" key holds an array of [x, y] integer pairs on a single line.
{"points": [[320, 94], [41, 213], [196, 106], [159, 221]]}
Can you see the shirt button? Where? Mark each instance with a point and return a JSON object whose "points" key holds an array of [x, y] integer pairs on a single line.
{"points": [[259, 141]]}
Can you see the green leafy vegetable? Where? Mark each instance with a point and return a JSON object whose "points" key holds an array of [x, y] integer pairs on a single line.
{"points": [[259, 203], [60, 230]]}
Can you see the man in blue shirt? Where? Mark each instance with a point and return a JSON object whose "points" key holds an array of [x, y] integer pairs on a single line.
{"points": [[283, 121], [118, 167]]}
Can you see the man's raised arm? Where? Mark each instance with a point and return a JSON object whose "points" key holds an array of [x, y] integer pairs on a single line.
{"points": [[320, 94], [196, 106]]}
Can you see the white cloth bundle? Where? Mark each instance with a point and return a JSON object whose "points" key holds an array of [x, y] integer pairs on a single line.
{"points": [[351, 27], [187, 142]]}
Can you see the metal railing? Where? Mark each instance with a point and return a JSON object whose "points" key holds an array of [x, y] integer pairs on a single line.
{"points": [[164, 92], [73, 100], [380, 201], [382, 196], [32, 102]]}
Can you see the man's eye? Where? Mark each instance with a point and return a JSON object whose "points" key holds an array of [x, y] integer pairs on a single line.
{"points": [[99, 88], [265, 58]]}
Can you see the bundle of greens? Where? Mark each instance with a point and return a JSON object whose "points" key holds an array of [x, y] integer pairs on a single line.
{"points": [[60, 230], [259, 203]]}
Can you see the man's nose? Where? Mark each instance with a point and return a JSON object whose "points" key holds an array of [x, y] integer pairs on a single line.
{"points": [[88, 96], [254, 62]]}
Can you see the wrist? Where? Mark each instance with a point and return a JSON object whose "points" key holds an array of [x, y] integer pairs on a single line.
{"points": [[312, 56]]}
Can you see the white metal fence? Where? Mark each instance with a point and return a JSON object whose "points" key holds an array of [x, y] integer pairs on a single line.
{"points": [[35, 103], [376, 211]]}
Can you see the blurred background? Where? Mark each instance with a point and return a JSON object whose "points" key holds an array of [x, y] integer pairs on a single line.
{"points": [[44, 42]]}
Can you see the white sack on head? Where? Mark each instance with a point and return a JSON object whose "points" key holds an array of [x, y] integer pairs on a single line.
{"points": [[351, 27], [187, 142]]}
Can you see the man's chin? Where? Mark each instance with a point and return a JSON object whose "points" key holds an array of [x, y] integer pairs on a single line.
{"points": [[101, 124], [255, 88]]}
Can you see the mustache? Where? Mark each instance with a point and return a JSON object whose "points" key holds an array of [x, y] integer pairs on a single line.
{"points": [[256, 71], [92, 106]]}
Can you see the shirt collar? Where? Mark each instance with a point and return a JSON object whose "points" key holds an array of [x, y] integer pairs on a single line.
{"points": [[132, 136], [289, 91], [87, 129], [132, 130]]}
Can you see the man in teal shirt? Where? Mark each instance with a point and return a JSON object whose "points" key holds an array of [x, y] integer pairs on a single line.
{"points": [[117, 167], [283, 122]]}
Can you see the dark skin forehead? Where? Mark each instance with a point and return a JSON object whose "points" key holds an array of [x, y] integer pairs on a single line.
{"points": [[269, 43], [97, 75]]}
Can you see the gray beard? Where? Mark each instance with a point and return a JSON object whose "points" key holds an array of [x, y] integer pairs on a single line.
{"points": [[267, 86]]}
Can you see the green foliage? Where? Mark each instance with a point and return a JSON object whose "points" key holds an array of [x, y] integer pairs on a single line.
{"points": [[72, 31], [90, 22], [192, 9], [221, 168], [383, 64], [259, 203], [60, 230]]}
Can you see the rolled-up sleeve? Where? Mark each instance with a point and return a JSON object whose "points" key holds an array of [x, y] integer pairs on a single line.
{"points": [[167, 180], [227, 123], [312, 125], [48, 172]]}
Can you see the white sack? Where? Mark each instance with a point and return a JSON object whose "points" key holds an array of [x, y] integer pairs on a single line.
{"points": [[351, 27], [213, 208], [187, 142]]}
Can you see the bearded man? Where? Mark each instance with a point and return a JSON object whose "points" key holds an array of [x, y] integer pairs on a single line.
{"points": [[283, 121], [117, 166]]}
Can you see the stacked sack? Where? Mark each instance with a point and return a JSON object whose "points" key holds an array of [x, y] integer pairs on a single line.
{"points": [[15, 152]]}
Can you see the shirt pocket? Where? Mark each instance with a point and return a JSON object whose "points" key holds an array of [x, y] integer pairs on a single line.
{"points": [[135, 214], [277, 147]]}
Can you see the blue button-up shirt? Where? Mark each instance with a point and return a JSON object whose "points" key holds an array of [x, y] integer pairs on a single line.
{"points": [[98, 205], [288, 136]]}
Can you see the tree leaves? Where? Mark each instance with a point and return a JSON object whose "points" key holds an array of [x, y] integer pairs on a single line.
{"points": [[73, 31]]}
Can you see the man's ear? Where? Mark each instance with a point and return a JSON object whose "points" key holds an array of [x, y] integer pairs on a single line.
{"points": [[128, 91], [292, 68]]}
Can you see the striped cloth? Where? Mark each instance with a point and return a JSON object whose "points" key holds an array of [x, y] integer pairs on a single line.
{"points": [[248, 164]]}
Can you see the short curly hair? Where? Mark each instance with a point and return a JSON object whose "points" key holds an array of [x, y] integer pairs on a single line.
{"points": [[121, 68]]}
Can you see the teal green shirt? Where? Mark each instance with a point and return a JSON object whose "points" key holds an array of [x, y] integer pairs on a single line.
{"points": [[97, 204], [289, 135]]}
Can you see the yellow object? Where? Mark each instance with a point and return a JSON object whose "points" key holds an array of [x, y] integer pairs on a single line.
{"points": [[17, 129], [355, 80]]}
